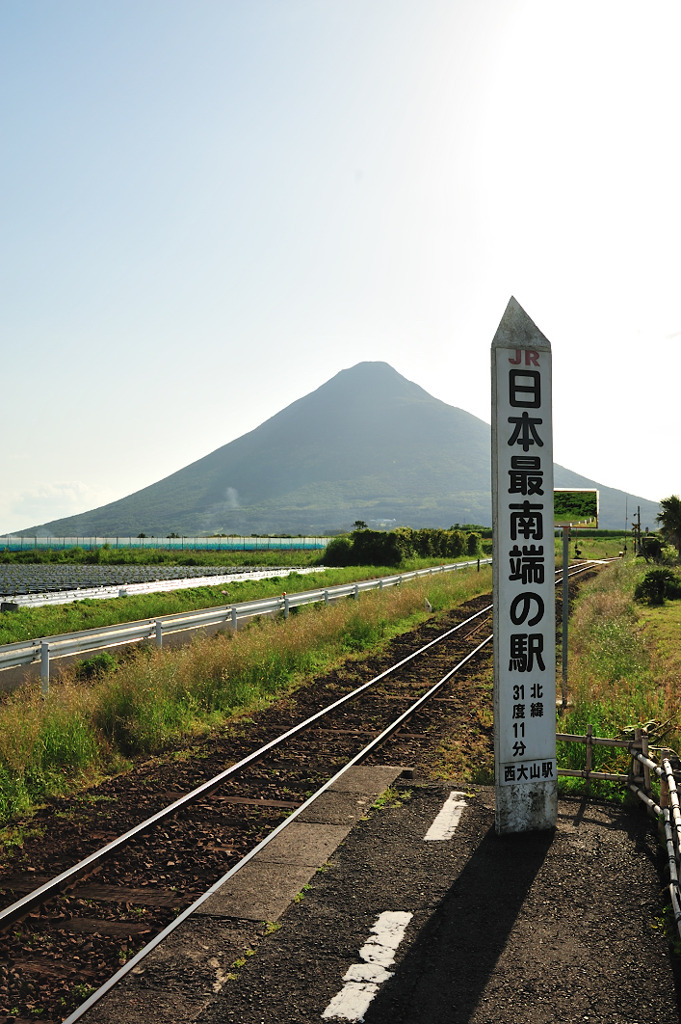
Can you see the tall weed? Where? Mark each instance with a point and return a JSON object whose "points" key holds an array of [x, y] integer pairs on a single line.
{"points": [[45, 746], [614, 673]]}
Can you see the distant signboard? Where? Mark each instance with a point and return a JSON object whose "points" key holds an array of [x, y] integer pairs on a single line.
{"points": [[576, 508]]}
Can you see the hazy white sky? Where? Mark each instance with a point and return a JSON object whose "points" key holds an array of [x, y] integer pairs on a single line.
{"points": [[210, 207]]}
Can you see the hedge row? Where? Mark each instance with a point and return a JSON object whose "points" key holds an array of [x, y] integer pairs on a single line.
{"points": [[374, 547]]}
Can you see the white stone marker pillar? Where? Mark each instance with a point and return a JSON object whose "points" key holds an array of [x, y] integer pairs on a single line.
{"points": [[524, 589]]}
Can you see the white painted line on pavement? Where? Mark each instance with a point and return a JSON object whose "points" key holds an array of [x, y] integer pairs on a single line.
{"points": [[363, 980], [446, 823]]}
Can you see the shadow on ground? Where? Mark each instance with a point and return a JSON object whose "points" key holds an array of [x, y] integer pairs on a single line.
{"points": [[450, 963]]}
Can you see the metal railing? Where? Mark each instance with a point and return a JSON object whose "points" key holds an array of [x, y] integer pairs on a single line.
{"points": [[639, 780], [667, 812], [44, 650], [591, 741]]}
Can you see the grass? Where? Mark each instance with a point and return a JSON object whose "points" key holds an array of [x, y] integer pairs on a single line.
{"points": [[590, 545], [467, 754], [391, 797], [163, 700], [624, 662], [300, 896]]}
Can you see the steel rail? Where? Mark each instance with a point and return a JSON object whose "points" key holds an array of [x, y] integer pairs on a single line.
{"points": [[576, 571], [61, 881], [362, 755], [357, 759]]}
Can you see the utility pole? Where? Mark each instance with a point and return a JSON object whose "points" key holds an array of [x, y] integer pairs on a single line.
{"points": [[566, 609], [626, 522], [636, 530]]}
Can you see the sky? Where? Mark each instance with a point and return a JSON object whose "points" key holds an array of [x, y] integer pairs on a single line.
{"points": [[211, 207]]}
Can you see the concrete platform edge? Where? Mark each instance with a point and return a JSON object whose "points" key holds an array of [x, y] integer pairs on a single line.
{"points": [[180, 977]]}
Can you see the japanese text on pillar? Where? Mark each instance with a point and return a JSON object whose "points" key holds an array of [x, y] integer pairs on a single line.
{"points": [[527, 568]]}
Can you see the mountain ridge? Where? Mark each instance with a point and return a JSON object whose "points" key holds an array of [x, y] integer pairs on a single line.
{"points": [[367, 444]]}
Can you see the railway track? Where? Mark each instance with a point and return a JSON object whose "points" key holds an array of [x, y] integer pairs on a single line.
{"points": [[114, 870]]}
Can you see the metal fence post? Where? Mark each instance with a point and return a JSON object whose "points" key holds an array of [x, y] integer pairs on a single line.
{"points": [[646, 769], [355, 593], [326, 597], [636, 766], [159, 633], [285, 605], [566, 609], [589, 747], [44, 668], [664, 787], [234, 625]]}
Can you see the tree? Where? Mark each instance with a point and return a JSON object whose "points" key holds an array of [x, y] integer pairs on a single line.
{"points": [[670, 521], [657, 585], [651, 548]]}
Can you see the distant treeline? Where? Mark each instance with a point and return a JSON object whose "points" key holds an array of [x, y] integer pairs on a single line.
{"points": [[376, 547]]}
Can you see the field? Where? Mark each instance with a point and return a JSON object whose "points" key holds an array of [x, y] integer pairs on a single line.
{"points": [[18, 580], [591, 544], [624, 665]]}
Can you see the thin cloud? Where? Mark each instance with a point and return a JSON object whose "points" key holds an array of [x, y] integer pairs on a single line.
{"points": [[50, 501]]}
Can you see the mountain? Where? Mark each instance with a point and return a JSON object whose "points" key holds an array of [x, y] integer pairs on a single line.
{"points": [[369, 444]]}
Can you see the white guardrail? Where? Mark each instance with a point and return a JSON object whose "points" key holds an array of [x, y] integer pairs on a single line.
{"points": [[45, 649]]}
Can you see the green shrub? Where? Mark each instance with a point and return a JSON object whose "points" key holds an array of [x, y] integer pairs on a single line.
{"points": [[15, 798], [474, 545], [338, 552], [367, 547], [97, 665], [371, 547], [377, 547], [658, 585]]}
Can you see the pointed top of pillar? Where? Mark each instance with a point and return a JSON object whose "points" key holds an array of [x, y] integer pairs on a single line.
{"points": [[516, 330]]}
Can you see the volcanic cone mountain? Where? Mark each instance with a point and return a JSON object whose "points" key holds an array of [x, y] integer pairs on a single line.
{"points": [[369, 444]]}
